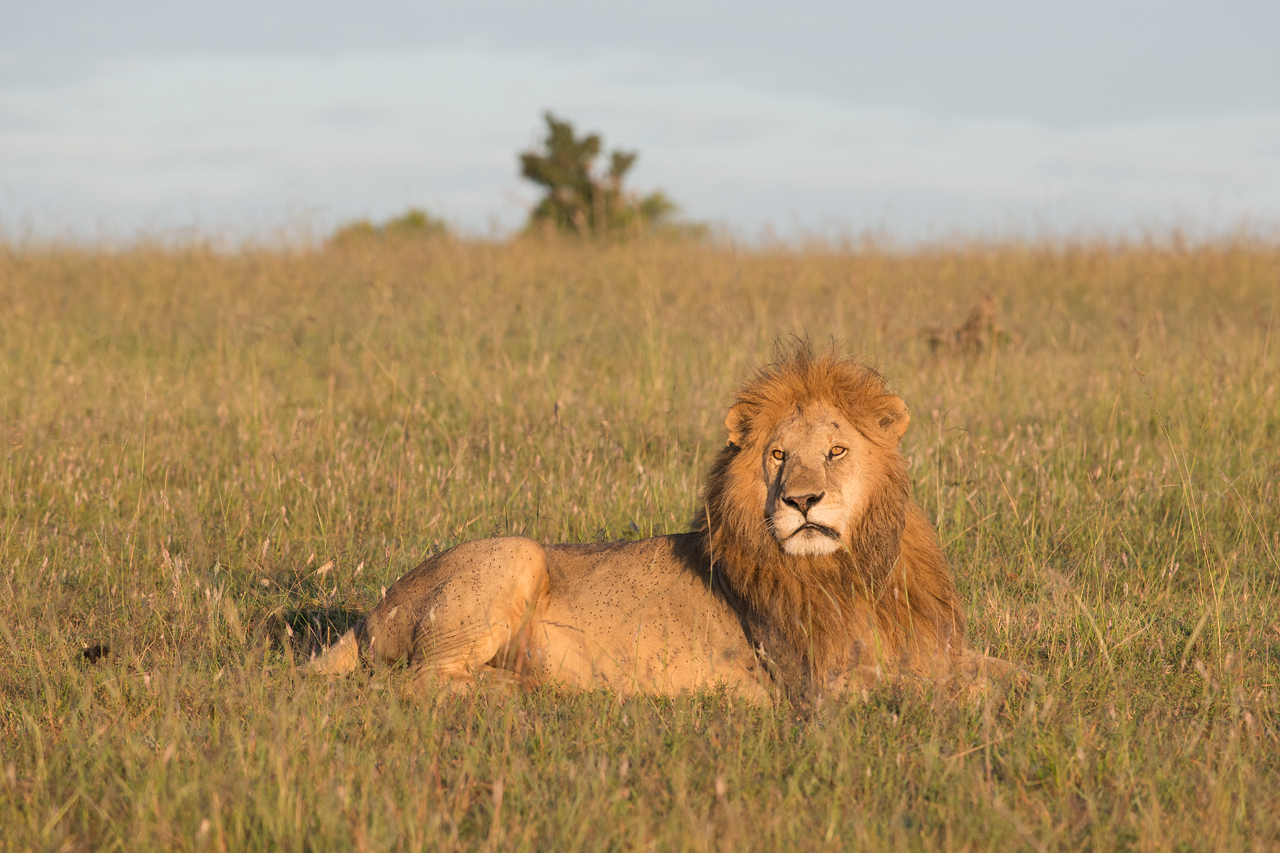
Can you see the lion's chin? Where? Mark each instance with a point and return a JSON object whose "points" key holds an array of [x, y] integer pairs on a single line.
{"points": [[809, 542]]}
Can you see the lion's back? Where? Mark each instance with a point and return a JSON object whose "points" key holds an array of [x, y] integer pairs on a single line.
{"points": [[639, 616]]}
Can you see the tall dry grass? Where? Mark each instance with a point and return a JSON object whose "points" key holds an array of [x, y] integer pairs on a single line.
{"points": [[213, 460]]}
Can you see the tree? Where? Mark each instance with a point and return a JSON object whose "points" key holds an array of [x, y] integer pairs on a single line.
{"points": [[579, 199]]}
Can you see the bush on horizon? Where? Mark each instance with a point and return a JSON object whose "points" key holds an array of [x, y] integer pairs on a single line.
{"points": [[580, 200], [415, 223]]}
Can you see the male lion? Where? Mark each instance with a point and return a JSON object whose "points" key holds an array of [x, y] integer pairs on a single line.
{"points": [[808, 569]]}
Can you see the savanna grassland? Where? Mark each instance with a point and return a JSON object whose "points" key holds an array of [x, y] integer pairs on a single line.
{"points": [[215, 460]]}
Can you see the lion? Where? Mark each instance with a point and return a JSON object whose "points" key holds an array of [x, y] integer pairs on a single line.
{"points": [[807, 570]]}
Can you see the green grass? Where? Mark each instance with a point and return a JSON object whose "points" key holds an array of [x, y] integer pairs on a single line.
{"points": [[213, 461]]}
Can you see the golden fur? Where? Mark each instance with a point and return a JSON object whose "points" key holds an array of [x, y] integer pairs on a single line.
{"points": [[808, 569]]}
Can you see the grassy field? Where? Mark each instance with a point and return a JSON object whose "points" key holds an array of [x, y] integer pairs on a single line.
{"points": [[213, 460]]}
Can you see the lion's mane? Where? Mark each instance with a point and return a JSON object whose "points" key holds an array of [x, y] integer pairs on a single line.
{"points": [[885, 598]]}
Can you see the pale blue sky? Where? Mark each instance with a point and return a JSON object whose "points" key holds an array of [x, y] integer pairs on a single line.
{"points": [[921, 119]]}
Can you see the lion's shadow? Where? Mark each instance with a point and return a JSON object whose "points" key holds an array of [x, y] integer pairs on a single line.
{"points": [[308, 631]]}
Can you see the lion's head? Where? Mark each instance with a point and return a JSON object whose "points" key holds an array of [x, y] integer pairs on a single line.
{"points": [[820, 464], [805, 509]]}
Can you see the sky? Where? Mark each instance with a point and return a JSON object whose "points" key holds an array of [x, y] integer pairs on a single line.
{"points": [[915, 120]]}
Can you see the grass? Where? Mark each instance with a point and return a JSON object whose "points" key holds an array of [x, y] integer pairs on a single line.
{"points": [[213, 461]]}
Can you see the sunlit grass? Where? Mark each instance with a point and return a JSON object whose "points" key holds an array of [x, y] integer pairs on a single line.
{"points": [[213, 460]]}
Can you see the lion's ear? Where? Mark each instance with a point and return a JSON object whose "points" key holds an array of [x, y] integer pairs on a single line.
{"points": [[736, 423], [893, 416]]}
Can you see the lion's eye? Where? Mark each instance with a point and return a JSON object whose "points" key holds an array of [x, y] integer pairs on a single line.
{"points": [[837, 452], [779, 455]]}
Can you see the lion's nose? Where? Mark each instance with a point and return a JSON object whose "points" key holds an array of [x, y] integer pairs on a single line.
{"points": [[802, 502]]}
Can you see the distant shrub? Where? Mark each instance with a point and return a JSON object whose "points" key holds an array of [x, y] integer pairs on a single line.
{"points": [[578, 198], [413, 224]]}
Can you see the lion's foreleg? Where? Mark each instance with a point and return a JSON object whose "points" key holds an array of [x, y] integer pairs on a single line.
{"points": [[979, 674]]}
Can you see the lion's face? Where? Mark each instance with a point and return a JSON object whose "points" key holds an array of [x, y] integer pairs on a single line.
{"points": [[815, 475], [812, 467]]}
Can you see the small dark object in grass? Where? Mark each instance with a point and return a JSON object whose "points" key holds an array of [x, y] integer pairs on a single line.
{"points": [[980, 332], [96, 652]]}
